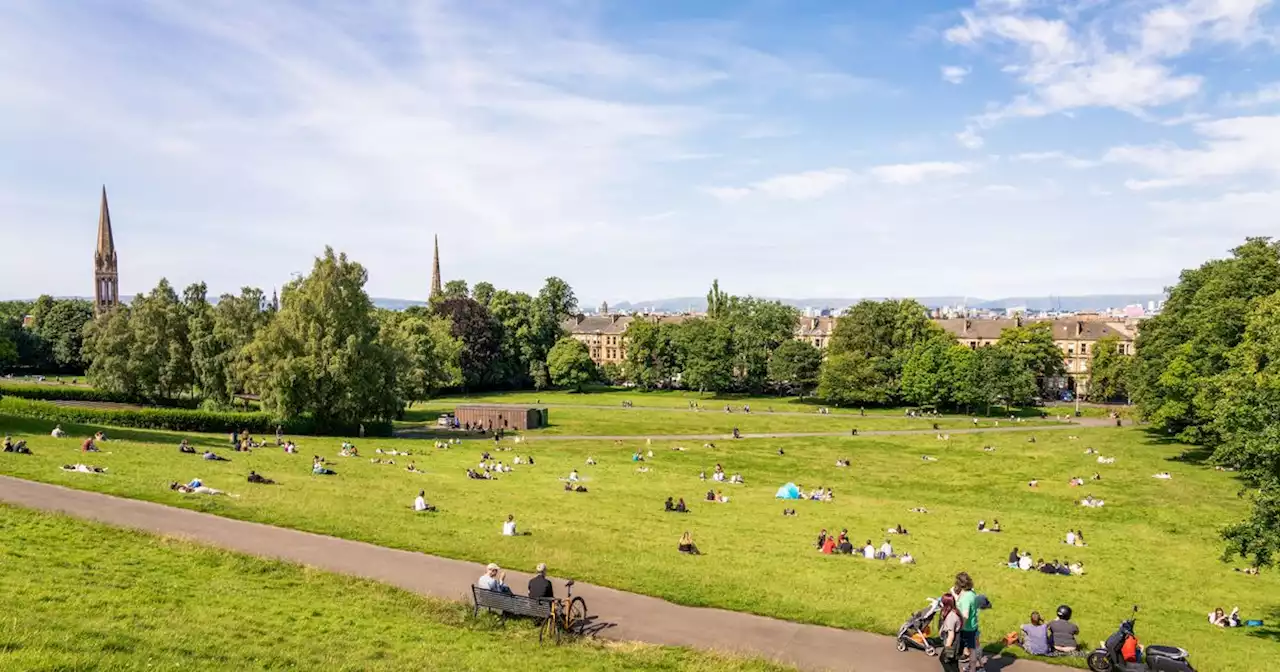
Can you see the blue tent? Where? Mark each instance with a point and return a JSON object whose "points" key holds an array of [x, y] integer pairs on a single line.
{"points": [[788, 491]]}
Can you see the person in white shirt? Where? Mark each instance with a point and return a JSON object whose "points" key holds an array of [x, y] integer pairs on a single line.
{"points": [[494, 579], [420, 504], [869, 551], [573, 476], [1024, 563], [886, 550], [906, 559], [509, 527], [1071, 538], [57, 432]]}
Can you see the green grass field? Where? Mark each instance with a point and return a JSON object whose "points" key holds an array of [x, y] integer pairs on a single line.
{"points": [[1155, 543], [83, 596]]}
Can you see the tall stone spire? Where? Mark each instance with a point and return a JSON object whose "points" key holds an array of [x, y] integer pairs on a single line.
{"points": [[106, 276], [435, 270]]}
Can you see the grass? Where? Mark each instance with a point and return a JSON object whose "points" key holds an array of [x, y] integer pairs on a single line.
{"points": [[570, 420], [1155, 543], [84, 596]]}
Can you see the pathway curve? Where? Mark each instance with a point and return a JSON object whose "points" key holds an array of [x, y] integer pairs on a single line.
{"points": [[1076, 423], [631, 617]]}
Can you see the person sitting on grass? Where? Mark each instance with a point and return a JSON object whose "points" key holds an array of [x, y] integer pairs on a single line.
{"points": [[869, 551], [100, 436], [509, 527], [711, 495], [213, 457], [573, 475], [494, 579], [318, 469], [1034, 636], [1080, 538], [185, 447], [57, 432], [255, 477], [1062, 632], [845, 547], [687, 546], [886, 551], [1222, 620], [420, 503], [680, 506], [669, 505], [822, 539], [89, 446], [829, 546], [907, 559], [1025, 563]]}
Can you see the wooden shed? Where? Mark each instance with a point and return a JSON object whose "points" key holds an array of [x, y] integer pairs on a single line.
{"points": [[500, 416]]}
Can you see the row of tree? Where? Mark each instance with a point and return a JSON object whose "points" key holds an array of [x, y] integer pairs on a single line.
{"points": [[1207, 371], [51, 342]]}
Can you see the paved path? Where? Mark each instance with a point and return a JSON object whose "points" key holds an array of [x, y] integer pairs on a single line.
{"points": [[536, 436], [623, 616]]}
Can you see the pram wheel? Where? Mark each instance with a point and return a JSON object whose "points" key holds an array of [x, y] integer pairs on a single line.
{"points": [[930, 651], [902, 645]]}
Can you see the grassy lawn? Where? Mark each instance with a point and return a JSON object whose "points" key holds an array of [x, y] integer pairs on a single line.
{"points": [[84, 596], [1154, 543], [587, 421]]}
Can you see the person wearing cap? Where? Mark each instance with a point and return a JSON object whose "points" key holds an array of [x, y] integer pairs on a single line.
{"points": [[494, 579], [539, 586]]}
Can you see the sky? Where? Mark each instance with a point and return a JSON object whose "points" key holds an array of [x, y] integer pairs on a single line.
{"points": [[789, 148]]}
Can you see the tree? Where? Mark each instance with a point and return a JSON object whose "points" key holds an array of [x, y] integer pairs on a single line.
{"points": [[1033, 347], [651, 355], [237, 322], [880, 335], [427, 355], [61, 328], [514, 313], [967, 388], [1004, 378], [483, 292], [716, 300], [480, 335], [795, 366], [1109, 370], [8, 347], [160, 359], [1201, 322], [554, 304], [704, 348], [570, 365], [109, 344], [757, 327], [321, 356], [455, 289], [852, 379], [926, 373]]}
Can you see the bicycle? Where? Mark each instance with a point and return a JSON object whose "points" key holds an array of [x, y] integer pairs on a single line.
{"points": [[568, 616]]}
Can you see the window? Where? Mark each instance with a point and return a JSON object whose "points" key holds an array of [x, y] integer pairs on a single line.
{"points": [[1084, 348], [817, 342]]}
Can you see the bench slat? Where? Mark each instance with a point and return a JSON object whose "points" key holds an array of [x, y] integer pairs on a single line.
{"points": [[517, 605]]}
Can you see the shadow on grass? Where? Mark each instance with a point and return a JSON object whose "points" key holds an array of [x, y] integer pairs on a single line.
{"points": [[1269, 630]]}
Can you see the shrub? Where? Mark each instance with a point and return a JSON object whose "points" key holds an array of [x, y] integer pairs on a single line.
{"points": [[49, 392], [176, 419]]}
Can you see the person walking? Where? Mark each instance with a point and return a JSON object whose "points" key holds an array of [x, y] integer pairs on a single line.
{"points": [[949, 623], [967, 604]]}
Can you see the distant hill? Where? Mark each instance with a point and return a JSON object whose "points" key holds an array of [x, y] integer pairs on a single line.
{"points": [[1063, 303]]}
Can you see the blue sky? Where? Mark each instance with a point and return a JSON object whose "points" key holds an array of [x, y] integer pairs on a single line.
{"points": [[639, 149]]}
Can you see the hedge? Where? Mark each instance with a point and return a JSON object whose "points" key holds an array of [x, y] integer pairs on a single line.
{"points": [[177, 419], [55, 392]]}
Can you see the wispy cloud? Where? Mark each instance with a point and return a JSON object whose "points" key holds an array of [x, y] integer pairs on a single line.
{"points": [[913, 173], [804, 186], [955, 73], [1236, 147], [1267, 94]]}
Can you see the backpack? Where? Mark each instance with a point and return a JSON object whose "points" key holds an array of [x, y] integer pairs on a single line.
{"points": [[1129, 650]]}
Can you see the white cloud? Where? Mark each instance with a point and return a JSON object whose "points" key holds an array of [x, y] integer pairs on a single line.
{"points": [[912, 173], [1267, 94], [1054, 156], [970, 139], [955, 73], [805, 186], [1066, 63], [1235, 147]]}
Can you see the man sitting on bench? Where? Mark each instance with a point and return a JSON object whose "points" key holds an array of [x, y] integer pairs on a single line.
{"points": [[539, 586], [494, 579]]}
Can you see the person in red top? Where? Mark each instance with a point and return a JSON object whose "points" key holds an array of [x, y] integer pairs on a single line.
{"points": [[88, 446], [829, 546]]}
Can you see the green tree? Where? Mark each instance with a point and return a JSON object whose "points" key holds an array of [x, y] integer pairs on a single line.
{"points": [[109, 345], [160, 360], [795, 366], [1033, 347], [880, 335], [570, 365], [483, 292], [8, 346], [966, 387], [716, 300], [456, 289], [1109, 370], [428, 357], [554, 304], [514, 314], [1005, 378], [852, 379], [757, 328], [1201, 322], [651, 354], [481, 337], [61, 328], [926, 373], [321, 356], [705, 348]]}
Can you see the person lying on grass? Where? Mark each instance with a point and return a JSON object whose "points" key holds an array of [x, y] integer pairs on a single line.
{"points": [[195, 488], [84, 468], [255, 477], [214, 457], [19, 447], [570, 487], [420, 504], [687, 546]]}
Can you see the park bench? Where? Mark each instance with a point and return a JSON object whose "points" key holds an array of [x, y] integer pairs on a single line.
{"points": [[508, 604]]}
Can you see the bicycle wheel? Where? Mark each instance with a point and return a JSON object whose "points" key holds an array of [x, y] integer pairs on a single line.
{"points": [[576, 619]]}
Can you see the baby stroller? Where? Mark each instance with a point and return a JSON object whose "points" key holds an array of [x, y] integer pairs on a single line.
{"points": [[915, 632]]}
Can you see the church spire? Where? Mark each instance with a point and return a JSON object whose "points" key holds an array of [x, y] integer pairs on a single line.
{"points": [[435, 270], [106, 276]]}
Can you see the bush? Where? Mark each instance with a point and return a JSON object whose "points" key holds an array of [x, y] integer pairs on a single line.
{"points": [[177, 419], [51, 392]]}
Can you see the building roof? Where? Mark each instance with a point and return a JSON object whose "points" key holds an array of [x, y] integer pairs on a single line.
{"points": [[106, 241], [1064, 329], [498, 407], [815, 326], [613, 324]]}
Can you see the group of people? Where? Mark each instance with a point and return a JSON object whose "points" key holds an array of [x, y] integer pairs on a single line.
{"points": [[1021, 560], [20, 447], [1056, 637], [841, 544], [675, 507]]}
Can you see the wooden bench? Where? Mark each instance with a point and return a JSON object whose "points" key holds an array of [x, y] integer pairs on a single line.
{"points": [[508, 604]]}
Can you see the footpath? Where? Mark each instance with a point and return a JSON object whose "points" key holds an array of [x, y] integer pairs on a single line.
{"points": [[620, 615]]}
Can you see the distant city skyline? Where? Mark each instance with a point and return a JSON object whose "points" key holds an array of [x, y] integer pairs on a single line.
{"points": [[816, 148]]}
